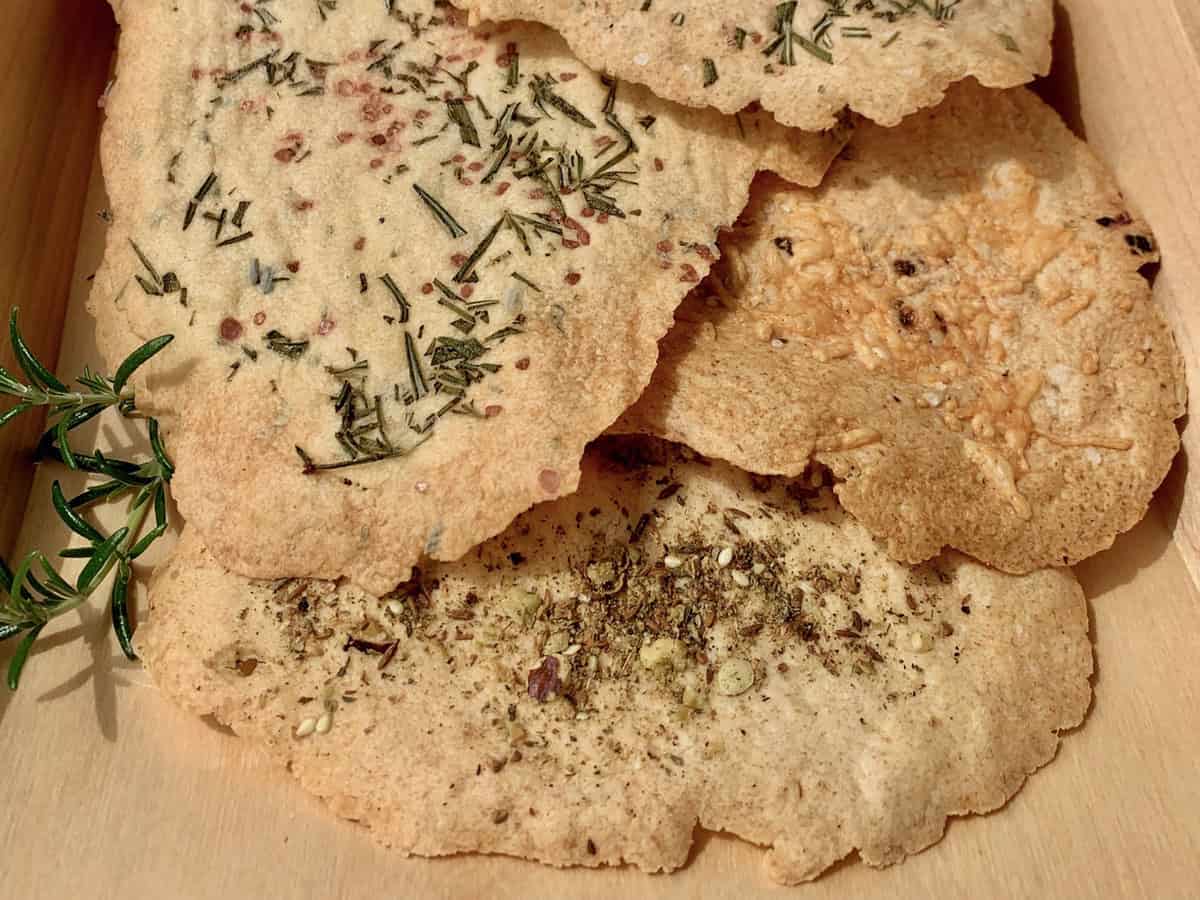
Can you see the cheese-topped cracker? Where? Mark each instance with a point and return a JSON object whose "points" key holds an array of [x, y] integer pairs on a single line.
{"points": [[676, 644], [804, 60], [411, 268], [955, 324]]}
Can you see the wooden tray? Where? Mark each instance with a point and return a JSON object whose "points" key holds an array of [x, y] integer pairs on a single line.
{"points": [[111, 792]]}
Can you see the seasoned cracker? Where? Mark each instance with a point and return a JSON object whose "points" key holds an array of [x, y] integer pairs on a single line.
{"points": [[805, 61], [411, 269], [676, 644], [955, 324]]}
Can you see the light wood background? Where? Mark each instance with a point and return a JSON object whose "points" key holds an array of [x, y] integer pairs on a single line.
{"points": [[54, 59], [111, 792]]}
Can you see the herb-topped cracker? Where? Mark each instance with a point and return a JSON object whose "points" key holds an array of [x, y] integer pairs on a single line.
{"points": [[411, 268], [677, 643], [955, 324], [804, 60]]}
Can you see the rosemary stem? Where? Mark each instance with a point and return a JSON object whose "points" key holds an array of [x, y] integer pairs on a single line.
{"points": [[69, 399]]}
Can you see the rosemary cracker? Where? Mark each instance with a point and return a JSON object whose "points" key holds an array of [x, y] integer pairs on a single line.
{"points": [[955, 324], [677, 643], [804, 60], [411, 269]]}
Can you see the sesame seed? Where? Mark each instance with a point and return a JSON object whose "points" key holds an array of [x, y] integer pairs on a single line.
{"points": [[740, 578], [758, 568], [778, 343], [422, 486], [305, 728], [672, 562], [324, 723], [920, 642], [725, 557], [395, 607], [736, 676]]}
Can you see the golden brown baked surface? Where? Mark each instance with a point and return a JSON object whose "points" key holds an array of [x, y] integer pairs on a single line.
{"points": [[387, 240], [805, 61], [955, 324], [676, 644]]}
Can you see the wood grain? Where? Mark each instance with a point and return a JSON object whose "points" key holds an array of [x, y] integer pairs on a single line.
{"points": [[148, 803], [50, 79]]}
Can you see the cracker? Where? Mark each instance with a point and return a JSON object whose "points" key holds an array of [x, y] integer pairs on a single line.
{"points": [[883, 60], [454, 288], [676, 644], [955, 324]]}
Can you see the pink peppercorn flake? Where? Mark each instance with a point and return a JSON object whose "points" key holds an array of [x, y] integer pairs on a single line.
{"points": [[584, 237], [475, 166], [588, 212], [543, 682], [360, 243], [502, 188], [304, 206], [458, 258], [294, 266], [345, 137], [568, 76], [379, 139], [523, 363], [572, 278], [570, 245], [260, 317], [427, 288], [659, 165], [231, 329], [286, 155], [466, 182], [602, 218], [664, 246], [549, 480], [376, 162], [704, 253], [466, 291], [492, 410], [325, 326], [688, 274]]}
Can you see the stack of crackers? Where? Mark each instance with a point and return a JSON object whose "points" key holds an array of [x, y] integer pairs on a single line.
{"points": [[595, 419]]}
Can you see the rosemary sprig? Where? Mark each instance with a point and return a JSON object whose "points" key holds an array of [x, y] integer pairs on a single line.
{"points": [[34, 593]]}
